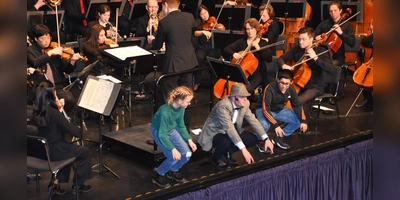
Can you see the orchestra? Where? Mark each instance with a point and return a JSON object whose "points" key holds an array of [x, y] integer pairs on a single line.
{"points": [[180, 41]]}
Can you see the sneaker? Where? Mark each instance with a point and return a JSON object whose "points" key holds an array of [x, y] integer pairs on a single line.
{"points": [[176, 176], [278, 142], [82, 189], [160, 181], [260, 146]]}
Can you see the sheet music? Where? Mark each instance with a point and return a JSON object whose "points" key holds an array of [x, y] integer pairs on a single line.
{"points": [[96, 95], [108, 77], [125, 52]]}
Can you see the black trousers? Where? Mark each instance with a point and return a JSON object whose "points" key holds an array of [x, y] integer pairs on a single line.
{"points": [[222, 143]]}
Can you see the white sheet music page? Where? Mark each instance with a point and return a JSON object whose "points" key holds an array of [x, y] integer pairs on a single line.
{"points": [[126, 52], [100, 96]]}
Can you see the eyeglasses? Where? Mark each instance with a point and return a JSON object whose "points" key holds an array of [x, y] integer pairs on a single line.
{"points": [[284, 84]]}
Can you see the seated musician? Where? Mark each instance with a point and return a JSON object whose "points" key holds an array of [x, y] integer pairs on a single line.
{"points": [[53, 126], [267, 14], [318, 64], [272, 108], [252, 28], [147, 24], [41, 56], [102, 17], [204, 41], [95, 40], [345, 31]]}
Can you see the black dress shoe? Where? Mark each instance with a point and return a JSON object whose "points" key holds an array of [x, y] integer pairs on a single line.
{"points": [[221, 165], [363, 104], [229, 159]]}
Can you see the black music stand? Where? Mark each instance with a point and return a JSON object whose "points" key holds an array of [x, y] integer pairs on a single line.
{"points": [[140, 9], [94, 5], [228, 71], [233, 17], [99, 96], [190, 6], [47, 18], [289, 9], [354, 6]]}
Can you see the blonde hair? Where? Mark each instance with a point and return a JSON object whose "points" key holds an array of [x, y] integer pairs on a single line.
{"points": [[180, 92]]}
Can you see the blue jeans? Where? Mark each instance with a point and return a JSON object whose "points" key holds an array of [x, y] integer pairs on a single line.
{"points": [[285, 115], [181, 145]]}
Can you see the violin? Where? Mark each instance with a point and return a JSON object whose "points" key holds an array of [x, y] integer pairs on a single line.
{"points": [[265, 27], [211, 24], [68, 52]]}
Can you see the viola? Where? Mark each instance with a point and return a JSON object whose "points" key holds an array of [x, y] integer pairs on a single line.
{"points": [[211, 24], [68, 52], [265, 27]]}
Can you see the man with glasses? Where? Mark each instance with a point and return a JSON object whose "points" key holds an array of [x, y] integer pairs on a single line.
{"points": [[272, 108], [317, 64], [146, 24]]}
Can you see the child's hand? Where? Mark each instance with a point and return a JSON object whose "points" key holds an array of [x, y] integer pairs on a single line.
{"points": [[175, 154], [192, 145]]}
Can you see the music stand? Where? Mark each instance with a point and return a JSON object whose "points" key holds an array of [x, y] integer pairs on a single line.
{"points": [[354, 6], [228, 71], [95, 4], [222, 38], [233, 17], [190, 6], [289, 9], [140, 9], [47, 18], [99, 95]]}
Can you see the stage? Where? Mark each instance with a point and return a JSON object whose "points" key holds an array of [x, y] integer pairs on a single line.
{"points": [[126, 152]]}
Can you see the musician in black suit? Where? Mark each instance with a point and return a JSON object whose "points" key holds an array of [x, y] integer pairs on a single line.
{"points": [[176, 30]]}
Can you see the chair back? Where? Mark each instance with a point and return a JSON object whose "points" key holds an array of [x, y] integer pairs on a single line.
{"points": [[284, 45], [80, 43], [38, 147], [355, 48]]}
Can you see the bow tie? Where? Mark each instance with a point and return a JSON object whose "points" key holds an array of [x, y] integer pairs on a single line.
{"points": [[238, 108]]}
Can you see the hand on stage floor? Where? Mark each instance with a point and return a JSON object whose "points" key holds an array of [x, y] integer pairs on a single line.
{"points": [[247, 156], [268, 145]]}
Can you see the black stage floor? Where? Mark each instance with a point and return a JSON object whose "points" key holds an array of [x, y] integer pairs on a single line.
{"points": [[135, 167]]}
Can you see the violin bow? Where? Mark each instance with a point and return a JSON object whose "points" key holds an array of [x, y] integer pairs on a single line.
{"points": [[270, 45], [220, 10], [266, 5], [343, 22], [299, 63]]}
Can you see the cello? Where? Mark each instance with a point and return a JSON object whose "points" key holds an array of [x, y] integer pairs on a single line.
{"points": [[363, 76], [248, 63]]}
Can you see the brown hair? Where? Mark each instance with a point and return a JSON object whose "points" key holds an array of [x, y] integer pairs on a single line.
{"points": [[253, 23], [308, 30], [93, 34], [269, 10], [180, 92]]}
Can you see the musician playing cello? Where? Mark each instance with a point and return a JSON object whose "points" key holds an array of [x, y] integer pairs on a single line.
{"points": [[345, 31], [252, 28], [318, 64]]}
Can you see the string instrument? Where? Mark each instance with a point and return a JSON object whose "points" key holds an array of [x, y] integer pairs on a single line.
{"points": [[68, 52], [211, 24], [363, 76], [60, 108], [302, 72], [243, 3], [248, 62], [291, 26], [331, 37], [362, 29]]}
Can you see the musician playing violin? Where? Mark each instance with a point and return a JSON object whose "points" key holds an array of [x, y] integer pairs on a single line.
{"points": [[204, 42], [252, 28], [271, 36], [52, 63], [323, 62], [345, 31]]}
